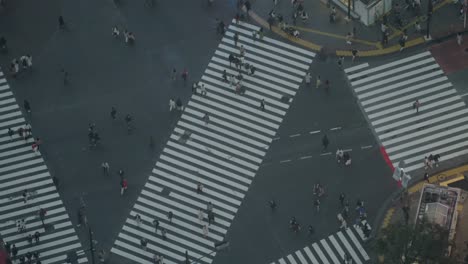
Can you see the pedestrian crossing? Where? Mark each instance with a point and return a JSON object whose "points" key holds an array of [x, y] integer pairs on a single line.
{"points": [[223, 153], [387, 93], [24, 172], [331, 250]]}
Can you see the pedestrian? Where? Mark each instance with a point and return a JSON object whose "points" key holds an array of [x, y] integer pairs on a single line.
{"points": [[417, 27], [61, 23], [200, 188], [252, 70], [317, 205], [206, 119], [194, 87], [459, 39], [209, 207], [66, 80], [101, 256], [385, 38], [318, 82], [184, 76], [203, 90], [27, 106], [113, 113], [254, 35], [123, 186], [138, 220], [342, 199], [340, 61], [416, 105], [156, 225], [37, 236], [225, 76], [10, 133], [426, 177], [3, 44], [327, 86], [272, 204], [172, 104], [14, 251], [260, 33], [436, 160], [30, 239], [354, 52], [211, 218], [170, 214], [143, 243], [205, 231], [200, 216], [164, 233], [311, 230], [325, 142], [307, 78], [115, 32], [270, 21], [105, 168], [179, 105], [402, 43], [242, 51], [42, 215], [348, 38], [262, 104], [174, 74], [236, 38], [121, 173]]}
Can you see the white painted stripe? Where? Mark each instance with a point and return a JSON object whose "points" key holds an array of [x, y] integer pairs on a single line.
{"points": [[337, 246], [25, 180], [232, 111], [281, 261], [311, 256], [357, 244], [6, 94], [409, 89], [220, 154], [9, 123], [17, 158], [291, 259], [420, 164], [205, 173], [329, 251], [224, 89], [140, 251], [253, 59], [35, 201], [129, 256], [10, 115], [355, 68], [314, 132], [23, 172], [196, 178], [424, 107], [16, 143], [320, 253], [49, 237], [237, 118], [349, 248], [202, 131], [389, 65], [14, 151], [201, 164], [430, 137], [179, 214], [433, 76], [393, 71], [190, 187], [216, 203], [199, 154], [233, 26], [9, 108], [301, 257], [248, 108], [399, 77], [417, 125], [251, 48], [21, 165], [420, 116], [412, 96], [254, 79], [220, 146], [11, 225]]}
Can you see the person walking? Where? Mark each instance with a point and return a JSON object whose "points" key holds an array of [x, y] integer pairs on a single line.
{"points": [[105, 168], [156, 225], [342, 199], [317, 205], [262, 104], [138, 220], [459, 39], [318, 82], [205, 231], [143, 243], [236, 38], [348, 38], [225, 76], [402, 43], [340, 61], [11, 132], [206, 119], [426, 177], [203, 90], [416, 106], [311, 230], [174, 74], [354, 53], [123, 185], [211, 218], [200, 216], [172, 104], [37, 237], [179, 105], [327, 86], [272, 204], [417, 27], [61, 22], [27, 106], [325, 142], [170, 214], [113, 113], [184, 76], [164, 233], [200, 188], [307, 79]]}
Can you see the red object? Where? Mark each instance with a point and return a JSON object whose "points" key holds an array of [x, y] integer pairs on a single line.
{"points": [[3, 257], [124, 183], [386, 158]]}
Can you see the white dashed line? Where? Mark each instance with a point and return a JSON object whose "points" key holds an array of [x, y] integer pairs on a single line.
{"points": [[463, 95], [366, 147], [295, 135], [314, 132], [276, 138], [284, 161], [305, 157], [347, 150], [325, 154], [335, 128]]}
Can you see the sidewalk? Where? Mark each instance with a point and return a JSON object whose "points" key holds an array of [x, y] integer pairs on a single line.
{"points": [[394, 213], [320, 35]]}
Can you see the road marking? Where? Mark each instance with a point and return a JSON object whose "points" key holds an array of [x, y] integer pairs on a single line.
{"points": [[347, 150], [295, 135], [463, 95], [335, 128], [276, 138], [324, 154], [314, 132], [284, 161], [305, 157], [366, 147]]}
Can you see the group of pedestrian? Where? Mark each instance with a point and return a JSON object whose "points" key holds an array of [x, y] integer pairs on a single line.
{"points": [[343, 157], [23, 64], [431, 161], [129, 37]]}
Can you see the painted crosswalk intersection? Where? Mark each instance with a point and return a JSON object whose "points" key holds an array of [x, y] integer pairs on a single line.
{"points": [[387, 94], [219, 143], [334, 249], [26, 187]]}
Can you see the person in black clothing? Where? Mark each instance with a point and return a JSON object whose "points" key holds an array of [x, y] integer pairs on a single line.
{"points": [[27, 106], [325, 142], [61, 22]]}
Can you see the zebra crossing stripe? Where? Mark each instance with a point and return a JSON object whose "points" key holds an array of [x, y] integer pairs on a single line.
{"points": [[348, 247], [337, 246], [291, 259], [320, 253], [310, 255], [329, 251], [357, 244], [301, 257], [357, 67], [281, 261]]}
